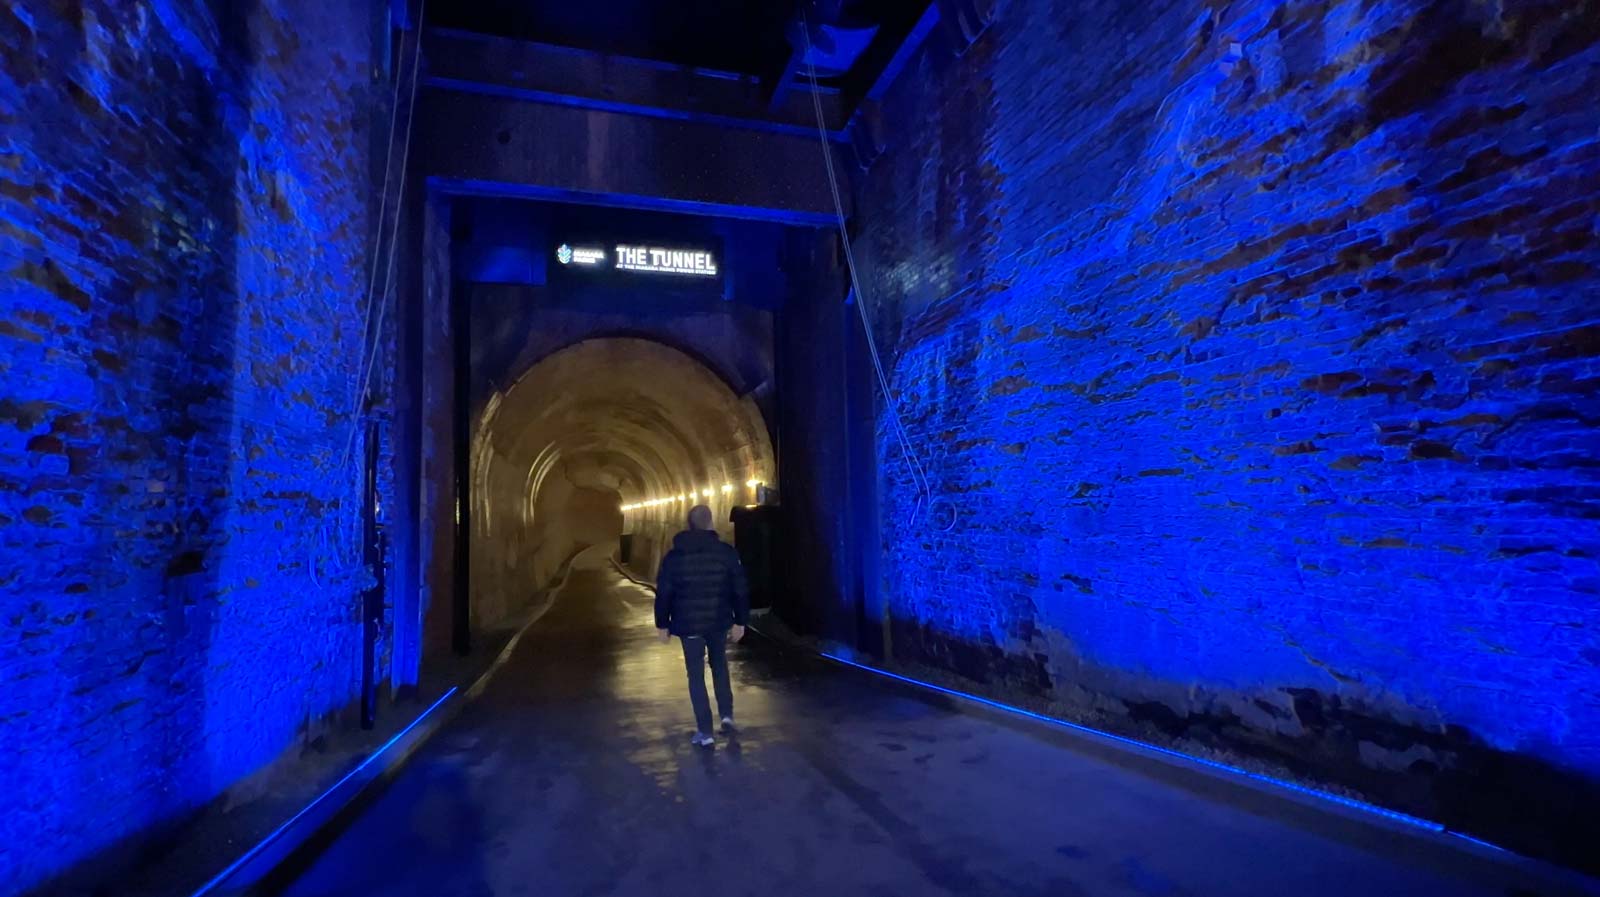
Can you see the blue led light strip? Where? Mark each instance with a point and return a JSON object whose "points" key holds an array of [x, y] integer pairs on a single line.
{"points": [[1417, 822], [1348, 803], [277, 832]]}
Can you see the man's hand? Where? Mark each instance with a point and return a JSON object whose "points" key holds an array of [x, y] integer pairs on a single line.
{"points": [[738, 633], [663, 635]]}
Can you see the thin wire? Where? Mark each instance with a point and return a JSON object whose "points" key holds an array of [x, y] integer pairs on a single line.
{"points": [[918, 474], [383, 206], [377, 250], [1042, 241], [394, 234]]}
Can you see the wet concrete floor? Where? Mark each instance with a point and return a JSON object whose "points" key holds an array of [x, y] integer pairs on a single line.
{"points": [[573, 775]]}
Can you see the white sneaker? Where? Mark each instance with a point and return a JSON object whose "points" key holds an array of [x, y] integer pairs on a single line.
{"points": [[727, 724], [701, 739]]}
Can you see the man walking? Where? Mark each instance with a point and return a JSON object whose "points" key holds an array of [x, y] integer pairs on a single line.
{"points": [[701, 593]]}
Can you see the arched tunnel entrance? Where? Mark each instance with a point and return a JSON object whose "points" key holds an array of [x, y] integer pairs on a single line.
{"points": [[607, 437]]}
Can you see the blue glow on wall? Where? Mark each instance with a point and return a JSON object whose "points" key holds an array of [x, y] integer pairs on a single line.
{"points": [[1257, 353], [183, 234]]}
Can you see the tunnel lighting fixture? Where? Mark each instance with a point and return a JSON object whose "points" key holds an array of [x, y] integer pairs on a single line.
{"points": [[752, 483], [670, 499]]}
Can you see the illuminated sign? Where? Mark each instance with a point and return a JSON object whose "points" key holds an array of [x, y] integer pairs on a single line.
{"points": [[666, 261], [641, 258]]}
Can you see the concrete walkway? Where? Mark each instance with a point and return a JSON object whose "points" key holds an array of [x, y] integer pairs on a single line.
{"points": [[573, 775]]}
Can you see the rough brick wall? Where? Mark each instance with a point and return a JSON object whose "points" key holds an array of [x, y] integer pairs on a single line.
{"points": [[184, 194], [1252, 349]]}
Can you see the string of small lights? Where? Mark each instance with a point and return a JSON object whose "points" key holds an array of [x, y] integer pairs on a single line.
{"points": [[686, 497]]}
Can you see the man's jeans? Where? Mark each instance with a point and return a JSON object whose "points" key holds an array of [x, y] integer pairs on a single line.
{"points": [[695, 650]]}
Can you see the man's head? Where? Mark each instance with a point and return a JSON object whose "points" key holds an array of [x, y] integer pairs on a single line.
{"points": [[699, 517]]}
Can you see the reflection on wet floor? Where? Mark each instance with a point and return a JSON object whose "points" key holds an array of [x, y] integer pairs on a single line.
{"points": [[573, 774]]}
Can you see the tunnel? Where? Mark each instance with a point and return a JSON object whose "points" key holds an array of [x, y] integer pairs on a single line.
{"points": [[609, 438], [1025, 447]]}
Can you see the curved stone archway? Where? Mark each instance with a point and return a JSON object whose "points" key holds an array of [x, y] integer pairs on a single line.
{"points": [[602, 425]]}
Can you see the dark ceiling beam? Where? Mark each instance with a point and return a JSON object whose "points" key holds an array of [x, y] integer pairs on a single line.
{"points": [[496, 145], [965, 21], [865, 125], [958, 22], [907, 48], [779, 85], [473, 63]]}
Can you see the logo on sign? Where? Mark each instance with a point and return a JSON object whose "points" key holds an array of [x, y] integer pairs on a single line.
{"points": [[568, 255]]}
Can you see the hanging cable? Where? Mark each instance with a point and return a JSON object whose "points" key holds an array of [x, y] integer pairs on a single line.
{"points": [[383, 207], [394, 232], [913, 463], [368, 329]]}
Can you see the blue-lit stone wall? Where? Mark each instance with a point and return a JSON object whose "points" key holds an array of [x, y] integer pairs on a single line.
{"points": [[184, 209], [1252, 350]]}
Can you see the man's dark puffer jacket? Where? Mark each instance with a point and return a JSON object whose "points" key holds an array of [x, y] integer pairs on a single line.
{"points": [[701, 588]]}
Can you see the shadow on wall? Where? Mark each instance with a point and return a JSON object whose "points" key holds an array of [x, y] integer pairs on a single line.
{"points": [[591, 429], [1319, 738]]}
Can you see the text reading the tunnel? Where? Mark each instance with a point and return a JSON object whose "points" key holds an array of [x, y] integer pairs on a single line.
{"points": [[665, 261], [646, 259]]}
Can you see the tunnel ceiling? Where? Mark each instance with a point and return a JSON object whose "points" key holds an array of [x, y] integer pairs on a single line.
{"points": [[748, 38], [627, 416], [719, 34]]}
